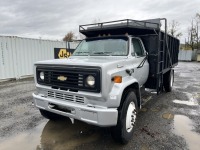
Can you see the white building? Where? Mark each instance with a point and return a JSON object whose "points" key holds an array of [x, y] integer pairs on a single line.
{"points": [[17, 55]]}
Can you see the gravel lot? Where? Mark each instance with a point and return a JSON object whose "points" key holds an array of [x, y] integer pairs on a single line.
{"points": [[168, 121]]}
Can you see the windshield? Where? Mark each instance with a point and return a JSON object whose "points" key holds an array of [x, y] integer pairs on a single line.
{"points": [[103, 47]]}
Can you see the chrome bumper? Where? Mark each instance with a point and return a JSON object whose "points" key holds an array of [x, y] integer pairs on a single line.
{"points": [[91, 115]]}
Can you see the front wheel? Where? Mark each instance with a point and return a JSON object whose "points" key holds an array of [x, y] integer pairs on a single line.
{"points": [[127, 115]]}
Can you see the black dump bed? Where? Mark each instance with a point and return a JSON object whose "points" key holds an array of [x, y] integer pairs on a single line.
{"points": [[162, 48]]}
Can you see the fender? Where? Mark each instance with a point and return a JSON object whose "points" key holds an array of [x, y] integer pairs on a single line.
{"points": [[119, 88]]}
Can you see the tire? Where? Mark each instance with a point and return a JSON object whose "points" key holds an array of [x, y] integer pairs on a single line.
{"points": [[50, 115], [124, 129], [168, 80]]}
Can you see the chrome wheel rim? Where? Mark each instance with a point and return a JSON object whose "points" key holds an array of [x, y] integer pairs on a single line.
{"points": [[130, 117]]}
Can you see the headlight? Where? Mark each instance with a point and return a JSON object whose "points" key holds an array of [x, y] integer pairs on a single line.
{"points": [[90, 80], [42, 75]]}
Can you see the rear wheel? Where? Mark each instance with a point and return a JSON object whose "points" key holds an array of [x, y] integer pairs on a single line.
{"points": [[127, 115], [168, 80], [50, 115]]}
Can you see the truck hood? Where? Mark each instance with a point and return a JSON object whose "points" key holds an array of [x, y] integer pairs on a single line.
{"points": [[85, 61]]}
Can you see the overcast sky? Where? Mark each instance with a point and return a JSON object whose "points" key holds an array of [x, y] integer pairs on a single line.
{"points": [[52, 19]]}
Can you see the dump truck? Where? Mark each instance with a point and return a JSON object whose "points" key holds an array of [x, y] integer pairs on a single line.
{"points": [[101, 83]]}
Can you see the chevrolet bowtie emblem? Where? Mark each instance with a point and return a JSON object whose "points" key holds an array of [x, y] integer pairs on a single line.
{"points": [[62, 78]]}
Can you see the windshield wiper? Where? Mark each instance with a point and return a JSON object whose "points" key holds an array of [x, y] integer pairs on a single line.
{"points": [[86, 53], [107, 53]]}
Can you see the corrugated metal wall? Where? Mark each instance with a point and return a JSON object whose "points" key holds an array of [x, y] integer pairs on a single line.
{"points": [[187, 55], [17, 55], [198, 55]]}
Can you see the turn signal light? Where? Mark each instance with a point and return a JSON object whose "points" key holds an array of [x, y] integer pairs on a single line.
{"points": [[117, 79]]}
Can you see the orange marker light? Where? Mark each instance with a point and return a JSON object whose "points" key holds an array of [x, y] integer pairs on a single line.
{"points": [[117, 79]]}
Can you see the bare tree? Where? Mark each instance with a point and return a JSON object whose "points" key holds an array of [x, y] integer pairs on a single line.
{"points": [[70, 36], [191, 36], [197, 28], [173, 29], [198, 16], [193, 33]]}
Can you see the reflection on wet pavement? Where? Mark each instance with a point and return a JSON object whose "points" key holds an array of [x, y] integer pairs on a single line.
{"points": [[64, 135], [192, 99], [168, 116], [23, 141], [155, 109], [54, 135], [183, 127], [143, 109], [189, 103], [144, 147]]}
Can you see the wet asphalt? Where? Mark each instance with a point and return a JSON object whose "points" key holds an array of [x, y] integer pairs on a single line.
{"points": [[167, 121]]}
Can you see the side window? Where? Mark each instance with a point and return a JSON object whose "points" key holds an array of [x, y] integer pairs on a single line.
{"points": [[138, 49]]}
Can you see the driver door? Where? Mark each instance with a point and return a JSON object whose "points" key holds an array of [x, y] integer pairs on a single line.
{"points": [[141, 71]]}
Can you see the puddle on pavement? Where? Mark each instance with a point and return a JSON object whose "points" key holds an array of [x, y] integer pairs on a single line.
{"points": [[168, 116], [183, 126], [155, 109], [185, 74], [194, 112], [54, 135], [197, 95], [189, 103], [152, 109], [146, 99], [144, 147], [24, 140], [143, 109]]}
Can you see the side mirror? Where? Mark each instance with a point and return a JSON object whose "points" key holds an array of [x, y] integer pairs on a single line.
{"points": [[130, 71], [147, 55]]}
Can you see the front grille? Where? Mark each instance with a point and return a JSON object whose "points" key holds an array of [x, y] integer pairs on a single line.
{"points": [[68, 78], [72, 79], [66, 97]]}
